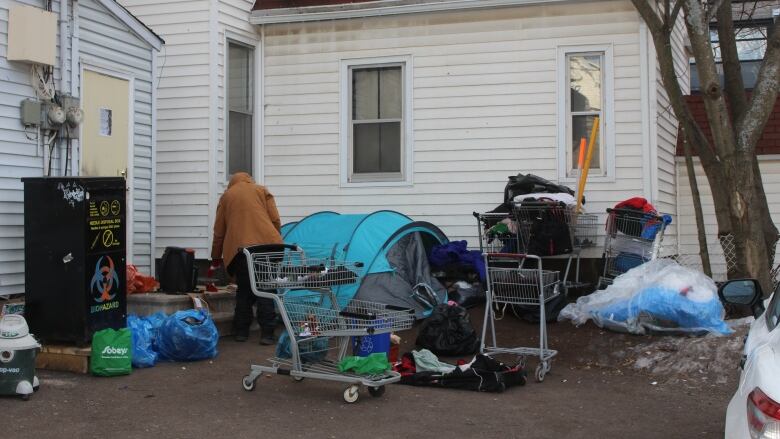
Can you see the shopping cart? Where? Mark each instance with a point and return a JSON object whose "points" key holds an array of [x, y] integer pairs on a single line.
{"points": [[556, 229], [632, 238], [498, 232], [319, 328], [511, 283], [543, 229]]}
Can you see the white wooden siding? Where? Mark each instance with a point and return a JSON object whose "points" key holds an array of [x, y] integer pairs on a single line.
{"points": [[106, 40], [666, 126], [689, 243], [19, 155], [183, 114], [102, 38], [484, 107], [233, 23]]}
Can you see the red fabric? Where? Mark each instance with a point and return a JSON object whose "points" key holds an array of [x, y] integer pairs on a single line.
{"points": [[636, 203], [138, 282], [406, 366]]}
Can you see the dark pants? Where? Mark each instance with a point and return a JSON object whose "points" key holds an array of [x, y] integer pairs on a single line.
{"points": [[242, 320]]}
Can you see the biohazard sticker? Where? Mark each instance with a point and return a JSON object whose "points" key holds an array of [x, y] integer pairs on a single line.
{"points": [[104, 285]]}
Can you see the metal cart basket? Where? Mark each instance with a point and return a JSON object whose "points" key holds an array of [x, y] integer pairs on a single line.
{"points": [[319, 328], [632, 238], [512, 284], [525, 229]]}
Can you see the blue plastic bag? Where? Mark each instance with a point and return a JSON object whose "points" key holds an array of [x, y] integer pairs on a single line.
{"points": [[659, 296], [142, 332], [187, 336], [312, 350], [665, 306]]}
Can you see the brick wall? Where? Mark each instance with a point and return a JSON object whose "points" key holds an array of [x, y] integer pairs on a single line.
{"points": [[769, 142], [278, 4]]}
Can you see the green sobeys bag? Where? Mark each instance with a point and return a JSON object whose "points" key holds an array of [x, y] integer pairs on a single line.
{"points": [[111, 353]]}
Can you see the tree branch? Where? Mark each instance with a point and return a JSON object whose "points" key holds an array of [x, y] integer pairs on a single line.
{"points": [[718, 117], [732, 69], [667, 12], [676, 12], [649, 15], [762, 102], [714, 7]]}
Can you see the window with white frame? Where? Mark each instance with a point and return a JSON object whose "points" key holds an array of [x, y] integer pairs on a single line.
{"points": [[240, 107], [585, 93], [375, 118]]}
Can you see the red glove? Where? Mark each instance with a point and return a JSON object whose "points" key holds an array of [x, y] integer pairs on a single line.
{"points": [[215, 264]]}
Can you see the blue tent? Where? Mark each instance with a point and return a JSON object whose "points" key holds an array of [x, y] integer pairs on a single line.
{"points": [[392, 247]]}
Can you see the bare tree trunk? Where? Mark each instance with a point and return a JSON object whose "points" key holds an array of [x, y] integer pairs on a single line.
{"points": [[704, 251], [751, 249], [729, 161]]}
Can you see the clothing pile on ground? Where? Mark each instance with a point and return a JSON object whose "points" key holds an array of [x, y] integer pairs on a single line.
{"points": [[482, 373], [461, 271]]}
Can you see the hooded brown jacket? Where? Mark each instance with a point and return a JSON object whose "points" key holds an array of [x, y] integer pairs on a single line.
{"points": [[246, 215]]}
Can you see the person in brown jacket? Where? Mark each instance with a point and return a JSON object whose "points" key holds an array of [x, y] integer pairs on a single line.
{"points": [[246, 216]]}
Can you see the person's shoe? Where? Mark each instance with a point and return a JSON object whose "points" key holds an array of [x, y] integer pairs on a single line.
{"points": [[240, 338], [267, 338]]}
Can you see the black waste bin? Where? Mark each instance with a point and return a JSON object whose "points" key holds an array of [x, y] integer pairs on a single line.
{"points": [[74, 253]]}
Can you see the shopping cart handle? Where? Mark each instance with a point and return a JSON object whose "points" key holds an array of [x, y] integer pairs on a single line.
{"points": [[635, 213], [355, 315], [510, 255], [399, 308], [271, 248]]}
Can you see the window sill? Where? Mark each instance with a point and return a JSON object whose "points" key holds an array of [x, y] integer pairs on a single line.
{"points": [[591, 179], [359, 184]]}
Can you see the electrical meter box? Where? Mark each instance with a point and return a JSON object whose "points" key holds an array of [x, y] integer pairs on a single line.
{"points": [[32, 35]]}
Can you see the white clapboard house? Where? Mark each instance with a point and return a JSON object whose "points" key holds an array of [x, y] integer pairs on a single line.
{"points": [[446, 99], [103, 58]]}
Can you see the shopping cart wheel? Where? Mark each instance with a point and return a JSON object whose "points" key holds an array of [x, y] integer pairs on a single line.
{"points": [[249, 385], [351, 393], [376, 392], [541, 370], [298, 379], [521, 361]]}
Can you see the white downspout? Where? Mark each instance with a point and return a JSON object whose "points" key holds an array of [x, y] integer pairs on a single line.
{"points": [[74, 51], [63, 44], [75, 70]]}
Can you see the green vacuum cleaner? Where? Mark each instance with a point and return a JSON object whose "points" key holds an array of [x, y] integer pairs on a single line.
{"points": [[17, 357]]}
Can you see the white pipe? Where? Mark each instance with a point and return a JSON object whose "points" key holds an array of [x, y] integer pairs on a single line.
{"points": [[74, 51], [63, 43]]}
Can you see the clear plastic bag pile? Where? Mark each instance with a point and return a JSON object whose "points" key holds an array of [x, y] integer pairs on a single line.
{"points": [[659, 296]]}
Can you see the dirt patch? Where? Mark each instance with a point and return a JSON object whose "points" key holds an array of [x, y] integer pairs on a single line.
{"points": [[713, 359]]}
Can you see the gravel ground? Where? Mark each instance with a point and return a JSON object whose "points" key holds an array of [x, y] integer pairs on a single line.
{"points": [[602, 384]]}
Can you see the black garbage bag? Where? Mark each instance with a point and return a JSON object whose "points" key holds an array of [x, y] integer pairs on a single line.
{"points": [[528, 184], [466, 295], [448, 331]]}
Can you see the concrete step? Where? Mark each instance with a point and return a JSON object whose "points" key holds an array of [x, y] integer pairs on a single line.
{"points": [[221, 304]]}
